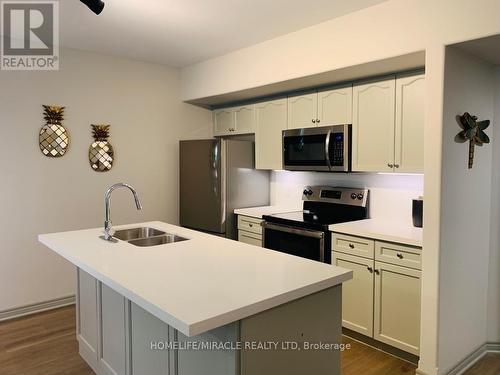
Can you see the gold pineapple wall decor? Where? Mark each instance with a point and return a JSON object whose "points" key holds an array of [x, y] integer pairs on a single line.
{"points": [[53, 138], [101, 153]]}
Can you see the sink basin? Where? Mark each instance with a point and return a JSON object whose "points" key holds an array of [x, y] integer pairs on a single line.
{"points": [[155, 241], [137, 233]]}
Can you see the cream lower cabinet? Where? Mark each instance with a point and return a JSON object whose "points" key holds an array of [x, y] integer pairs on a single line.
{"points": [[271, 120], [397, 306], [357, 293], [382, 300], [250, 230]]}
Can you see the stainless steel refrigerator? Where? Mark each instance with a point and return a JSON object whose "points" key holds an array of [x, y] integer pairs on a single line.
{"points": [[216, 177]]}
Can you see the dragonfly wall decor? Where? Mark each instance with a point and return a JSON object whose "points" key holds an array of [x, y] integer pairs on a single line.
{"points": [[472, 131]]}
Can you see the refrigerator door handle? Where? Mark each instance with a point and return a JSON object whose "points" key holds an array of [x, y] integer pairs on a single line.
{"points": [[215, 172]]}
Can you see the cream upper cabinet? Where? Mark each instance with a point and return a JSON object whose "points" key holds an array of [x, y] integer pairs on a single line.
{"points": [[335, 106], [410, 117], [235, 120], [271, 120], [357, 293], [373, 126], [223, 121], [302, 111], [397, 306], [244, 119]]}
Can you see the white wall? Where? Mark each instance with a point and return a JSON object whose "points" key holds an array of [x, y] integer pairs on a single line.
{"points": [[465, 210], [494, 271], [390, 195], [389, 29], [38, 194]]}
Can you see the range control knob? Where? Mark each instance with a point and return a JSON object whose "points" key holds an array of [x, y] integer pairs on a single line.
{"points": [[354, 196], [360, 196], [308, 192]]}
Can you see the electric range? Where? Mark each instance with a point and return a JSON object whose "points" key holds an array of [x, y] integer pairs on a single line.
{"points": [[305, 233]]}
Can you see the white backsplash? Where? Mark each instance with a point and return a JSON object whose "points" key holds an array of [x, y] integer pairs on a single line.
{"points": [[390, 194]]}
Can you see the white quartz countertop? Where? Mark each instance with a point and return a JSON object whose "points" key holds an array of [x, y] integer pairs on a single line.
{"points": [[258, 212], [381, 230], [195, 285]]}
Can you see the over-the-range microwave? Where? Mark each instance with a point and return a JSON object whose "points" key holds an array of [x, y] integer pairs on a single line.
{"points": [[323, 149]]}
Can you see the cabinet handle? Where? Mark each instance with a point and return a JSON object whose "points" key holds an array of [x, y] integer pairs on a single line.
{"points": [[318, 120], [250, 225], [351, 246], [399, 255], [370, 269], [396, 165], [377, 272], [313, 121], [390, 165]]}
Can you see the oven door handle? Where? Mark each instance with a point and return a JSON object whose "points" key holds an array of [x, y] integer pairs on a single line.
{"points": [[301, 232], [287, 229], [327, 149]]}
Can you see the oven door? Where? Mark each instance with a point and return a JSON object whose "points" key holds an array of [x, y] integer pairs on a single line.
{"points": [[304, 243]]}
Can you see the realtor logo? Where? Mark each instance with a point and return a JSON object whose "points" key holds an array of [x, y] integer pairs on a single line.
{"points": [[30, 35]]}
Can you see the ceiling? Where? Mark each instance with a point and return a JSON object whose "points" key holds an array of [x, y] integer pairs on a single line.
{"points": [[182, 32]]}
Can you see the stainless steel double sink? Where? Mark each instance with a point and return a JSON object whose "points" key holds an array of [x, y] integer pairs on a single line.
{"points": [[146, 237]]}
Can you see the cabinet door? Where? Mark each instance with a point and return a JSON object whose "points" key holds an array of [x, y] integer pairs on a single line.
{"points": [[357, 293], [410, 117], [335, 106], [148, 330], [397, 306], [112, 359], [87, 322], [223, 122], [373, 126], [302, 111], [244, 119], [271, 121]]}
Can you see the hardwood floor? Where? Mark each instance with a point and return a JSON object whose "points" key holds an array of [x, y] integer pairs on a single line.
{"points": [[41, 344], [488, 365], [365, 360], [45, 344]]}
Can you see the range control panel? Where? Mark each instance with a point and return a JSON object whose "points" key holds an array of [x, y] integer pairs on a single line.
{"points": [[341, 195]]}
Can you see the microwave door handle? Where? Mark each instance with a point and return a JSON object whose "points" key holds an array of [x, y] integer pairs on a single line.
{"points": [[327, 149]]}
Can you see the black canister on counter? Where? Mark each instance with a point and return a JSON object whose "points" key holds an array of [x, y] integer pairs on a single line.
{"points": [[418, 212]]}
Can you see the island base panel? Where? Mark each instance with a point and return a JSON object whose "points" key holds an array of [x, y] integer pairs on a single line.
{"points": [[123, 347], [313, 319]]}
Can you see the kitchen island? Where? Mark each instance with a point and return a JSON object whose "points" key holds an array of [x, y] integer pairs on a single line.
{"points": [[203, 306]]}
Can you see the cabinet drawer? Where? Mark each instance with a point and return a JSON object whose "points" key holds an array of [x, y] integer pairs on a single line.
{"points": [[250, 238], [400, 255], [250, 224], [359, 246]]}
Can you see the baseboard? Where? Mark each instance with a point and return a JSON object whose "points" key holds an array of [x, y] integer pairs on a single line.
{"points": [[493, 347], [36, 308], [474, 357]]}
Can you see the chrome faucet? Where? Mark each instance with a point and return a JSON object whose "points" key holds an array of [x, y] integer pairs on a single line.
{"points": [[108, 230]]}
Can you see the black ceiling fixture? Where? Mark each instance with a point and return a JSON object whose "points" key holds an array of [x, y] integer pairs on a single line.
{"points": [[95, 6]]}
